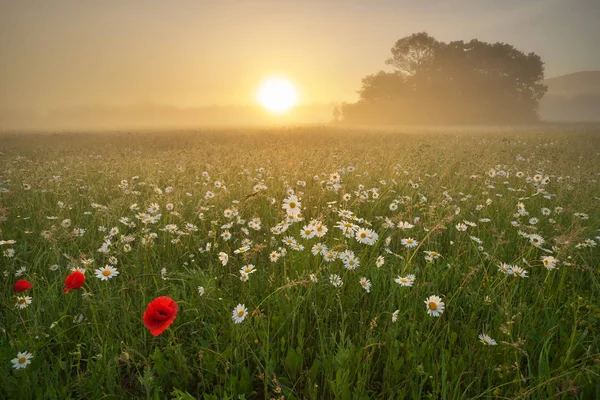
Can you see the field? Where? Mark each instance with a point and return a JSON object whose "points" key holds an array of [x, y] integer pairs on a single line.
{"points": [[334, 242]]}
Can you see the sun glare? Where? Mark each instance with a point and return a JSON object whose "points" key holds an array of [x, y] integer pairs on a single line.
{"points": [[277, 95]]}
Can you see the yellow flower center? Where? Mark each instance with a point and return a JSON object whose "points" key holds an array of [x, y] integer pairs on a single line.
{"points": [[292, 205], [22, 360], [432, 305], [363, 235], [22, 301], [404, 280], [240, 313], [106, 272]]}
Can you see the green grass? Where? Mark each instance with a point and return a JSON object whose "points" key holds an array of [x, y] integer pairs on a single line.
{"points": [[301, 339]]}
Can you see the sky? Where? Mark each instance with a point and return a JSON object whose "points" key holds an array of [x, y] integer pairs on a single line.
{"points": [[60, 54]]}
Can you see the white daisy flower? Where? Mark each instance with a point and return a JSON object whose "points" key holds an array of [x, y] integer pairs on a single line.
{"points": [[23, 360], [486, 340], [336, 280], [23, 302], [239, 313], [435, 306], [408, 280], [366, 284], [409, 242], [106, 272]]}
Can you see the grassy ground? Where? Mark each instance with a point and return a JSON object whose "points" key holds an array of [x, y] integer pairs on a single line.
{"points": [[303, 337]]}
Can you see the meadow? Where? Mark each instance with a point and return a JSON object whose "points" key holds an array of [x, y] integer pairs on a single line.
{"points": [[302, 263]]}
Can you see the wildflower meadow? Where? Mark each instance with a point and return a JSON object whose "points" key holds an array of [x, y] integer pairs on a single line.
{"points": [[301, 263]]}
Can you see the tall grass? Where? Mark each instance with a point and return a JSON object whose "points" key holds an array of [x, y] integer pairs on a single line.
{"points": [[303, 339]]}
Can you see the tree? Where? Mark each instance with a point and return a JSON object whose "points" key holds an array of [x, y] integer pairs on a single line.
{"points": [[413, 53], [336, 114], [456, 82]]}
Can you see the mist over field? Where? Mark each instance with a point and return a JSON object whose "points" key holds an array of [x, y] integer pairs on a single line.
{"points": [[300, 200]]}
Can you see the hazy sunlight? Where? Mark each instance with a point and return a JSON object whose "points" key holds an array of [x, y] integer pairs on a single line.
{"points": [[277, 95]]}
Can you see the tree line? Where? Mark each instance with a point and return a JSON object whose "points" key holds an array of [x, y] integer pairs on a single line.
{"points": [[460, 82]]}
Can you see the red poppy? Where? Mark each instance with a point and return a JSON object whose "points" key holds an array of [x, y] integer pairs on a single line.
{"points": [[21, 285], [74, 281], [161, 313]]}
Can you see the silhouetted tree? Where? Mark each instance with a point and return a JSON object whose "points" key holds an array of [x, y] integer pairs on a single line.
{"points": [[336, 114], [456, 82]]}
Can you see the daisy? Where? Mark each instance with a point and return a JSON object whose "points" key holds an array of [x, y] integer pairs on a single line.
{"points": [[395, 315], [106, 272], [226, 235], [405, 225], [248, 268], [461, 227], [23, 302], [336, 280], [307, 232], [201, 291], [409, 242], [239, 313], [292, 205], [153, 208], [505, 269], [22, 360], [317, 226], [536, 240], [224, 258], [366, 236], [430, 256], [486, 340], [330, 256], [408, 280], [313, 278], [366, 284], [519, 272], [318, 248], [435, 306], [242, 249], [351, 263], [549, 262], [380, 261]]}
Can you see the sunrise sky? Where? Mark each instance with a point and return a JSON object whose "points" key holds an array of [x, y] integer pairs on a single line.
{"points": [[192, 53]]}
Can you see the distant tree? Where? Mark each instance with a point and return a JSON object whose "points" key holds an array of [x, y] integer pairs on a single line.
{"points": [[456, 82], [336, 114]]}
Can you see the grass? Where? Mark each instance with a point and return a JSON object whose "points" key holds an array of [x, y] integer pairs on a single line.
{"points": [[303, 339]]}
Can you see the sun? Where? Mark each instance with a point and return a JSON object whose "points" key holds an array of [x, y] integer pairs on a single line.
{"points": [[277, 95]]}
